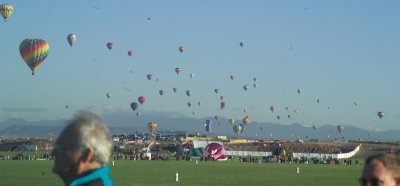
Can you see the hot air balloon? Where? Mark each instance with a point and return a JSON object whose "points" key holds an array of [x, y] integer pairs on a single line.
{"points": [[149, 76], [216, 118], [381, 114], [71, 38], [216, 91], [241, 44], [245, 87], [141, 99], [134, 106], [278, 117], [231, 121], [245, 111], [208, 124], [188, 93], [289, 116], [232, 77], [299, 90], [177, 70], [254, 79], [110, 46], [296, 111], [34, 52], [66, 106], [340, 128], [222, 105], [193, 113], [246, 120], [272, 108], [6, 10], [189, 104], [161, 92], [214, 151], [287, 108], [138, 113], [221, 97], [108, 95], [317, 100], [181, 49], [237, 129], [191, 75], [152, 126], [199, 103], [242, 127], [130, 53], [355, 103], [255, 85], [314, 127], [175, 89]]}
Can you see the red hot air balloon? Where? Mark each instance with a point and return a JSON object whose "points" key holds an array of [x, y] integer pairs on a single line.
{"points": [[110, 46], [221, 97], [141, 99], [130, 53]]}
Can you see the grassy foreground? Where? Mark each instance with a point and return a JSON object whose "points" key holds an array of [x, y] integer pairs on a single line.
{"points": [[126, 173]]}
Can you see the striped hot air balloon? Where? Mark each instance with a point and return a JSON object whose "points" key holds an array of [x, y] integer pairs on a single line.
{"points": [[34, 52]]}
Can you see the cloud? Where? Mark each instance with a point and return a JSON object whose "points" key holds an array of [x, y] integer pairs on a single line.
{"points": [[23, 110]]}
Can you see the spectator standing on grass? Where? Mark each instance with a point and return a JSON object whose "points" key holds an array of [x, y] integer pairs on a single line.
{"points": [[381, 169], [82, 152]]}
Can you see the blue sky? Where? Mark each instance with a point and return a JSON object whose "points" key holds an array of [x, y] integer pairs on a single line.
{"points": [[336, 51]]}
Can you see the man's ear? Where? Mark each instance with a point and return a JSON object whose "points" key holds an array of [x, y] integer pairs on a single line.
{"points": [[87, 155]]}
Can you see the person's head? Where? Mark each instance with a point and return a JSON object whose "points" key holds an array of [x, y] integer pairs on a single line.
{"points": [[83, 145], [381, 169]]}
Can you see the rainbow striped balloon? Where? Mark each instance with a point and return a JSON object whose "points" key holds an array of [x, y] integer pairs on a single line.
{"points": [[34, 52]]}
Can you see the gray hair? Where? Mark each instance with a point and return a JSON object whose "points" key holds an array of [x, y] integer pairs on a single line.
{"points": [[92, 133]]}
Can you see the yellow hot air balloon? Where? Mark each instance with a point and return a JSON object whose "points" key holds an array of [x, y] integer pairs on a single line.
{"points": [[152, 126], [6, 10]]}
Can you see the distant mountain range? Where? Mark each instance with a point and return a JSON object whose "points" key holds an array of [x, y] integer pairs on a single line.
{"points": [[130, 123]]}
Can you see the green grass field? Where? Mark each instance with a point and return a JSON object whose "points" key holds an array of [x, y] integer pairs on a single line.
{"points": [[124, 173]]}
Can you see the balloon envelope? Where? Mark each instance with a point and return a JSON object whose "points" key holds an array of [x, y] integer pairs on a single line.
{"points": [[177, 70], [71, 38], [134, 106], [152, 126], [214, 151], [381, 114], [237, 129], [6, 10], [181, 49], [207, 125], [34, 52], [110, 46], [141, 99]]}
